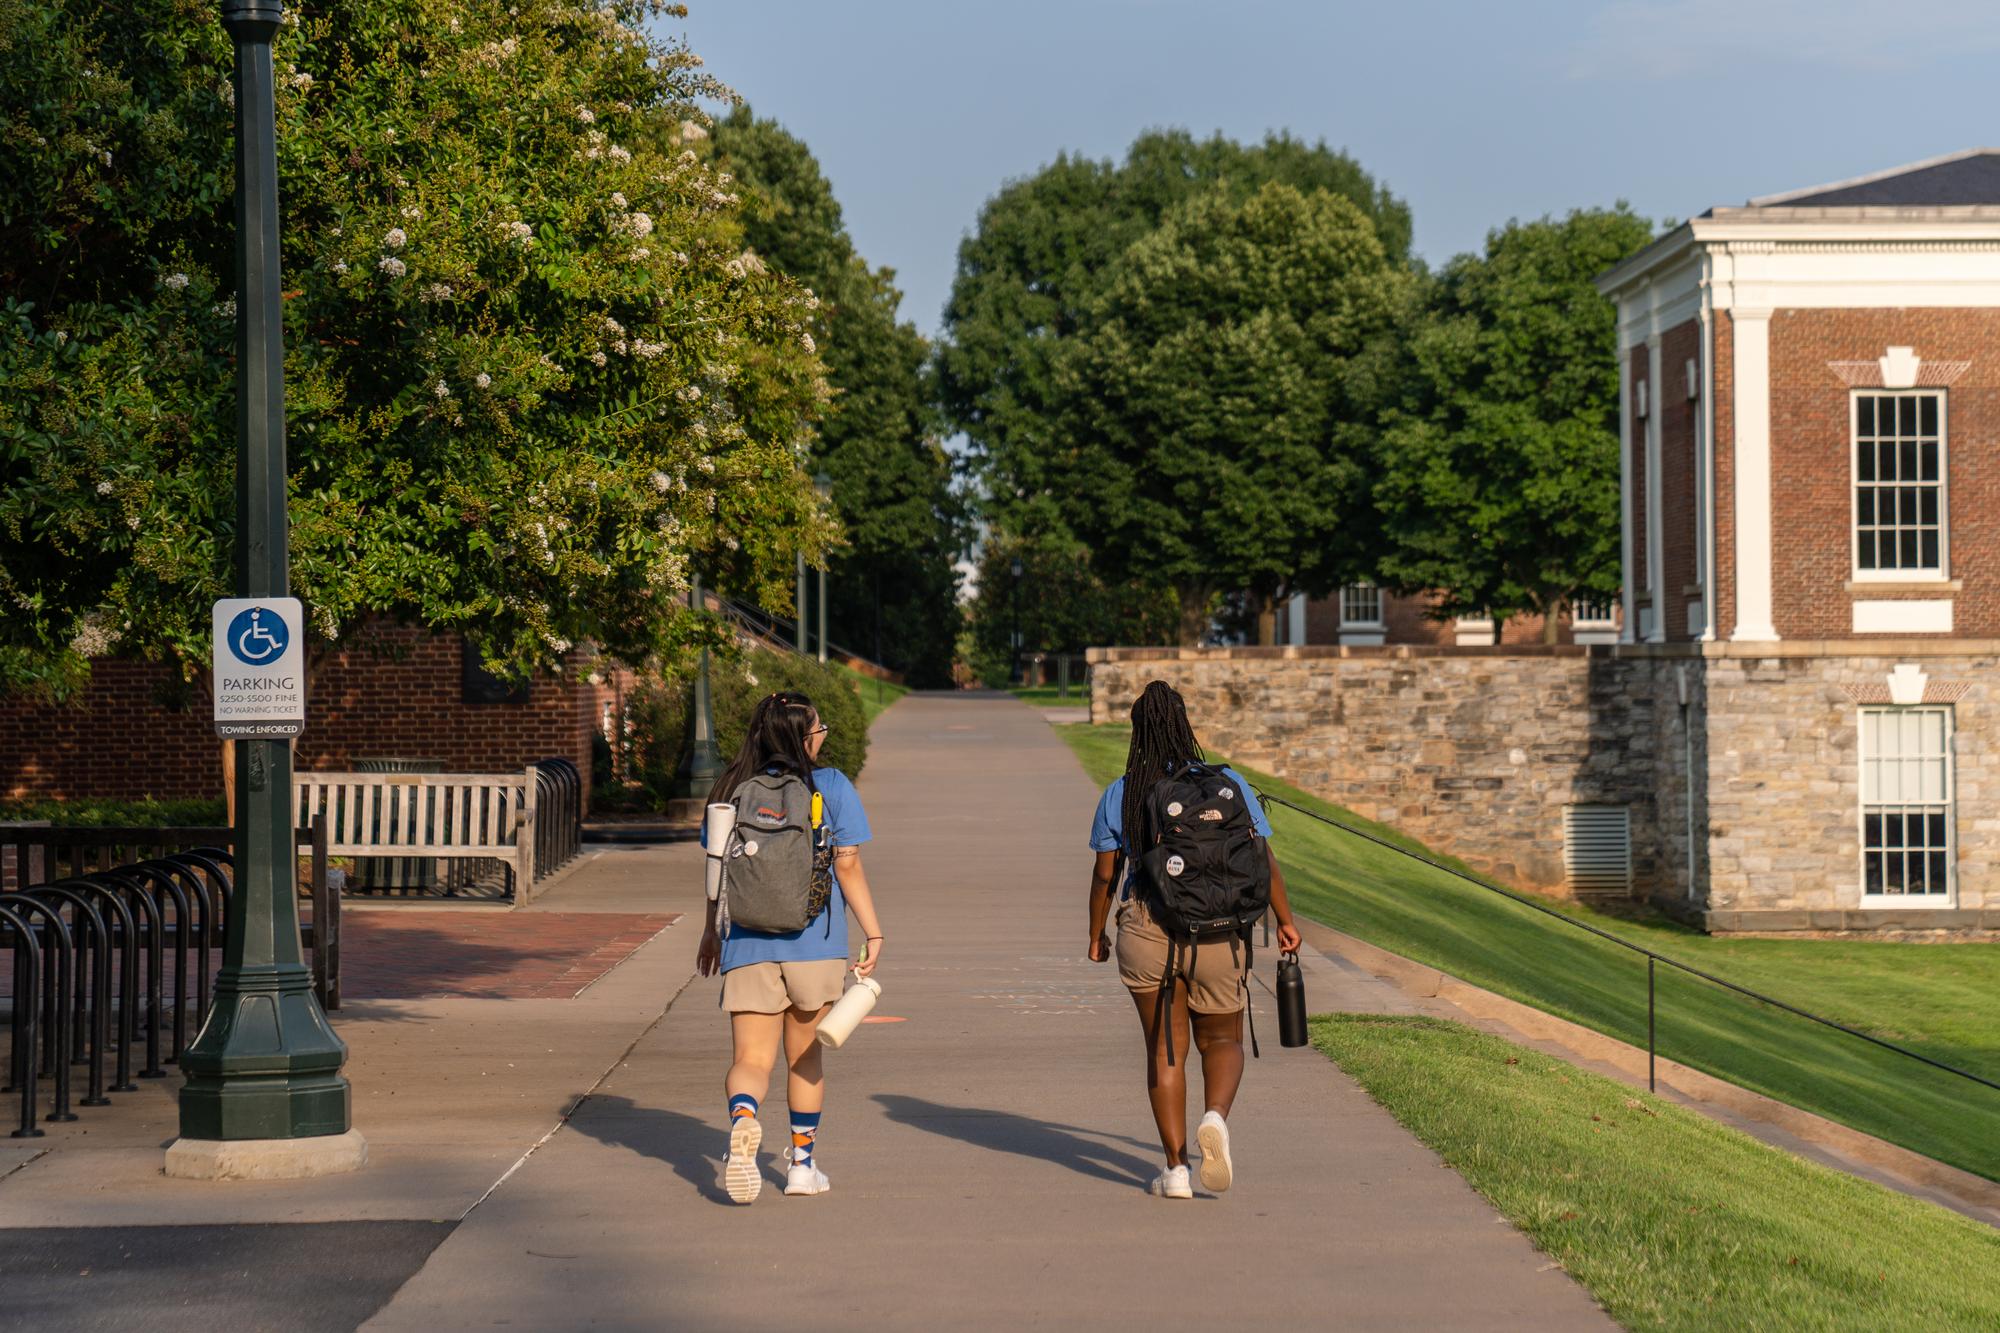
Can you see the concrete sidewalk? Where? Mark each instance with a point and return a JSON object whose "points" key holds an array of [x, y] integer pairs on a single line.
{"points": [[989, 1154]]}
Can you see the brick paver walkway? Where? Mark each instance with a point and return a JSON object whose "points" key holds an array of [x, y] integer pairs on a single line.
{"points": [[409, 954]]}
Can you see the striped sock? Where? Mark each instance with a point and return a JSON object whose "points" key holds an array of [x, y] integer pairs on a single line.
{"points": [[740, 1105], [805, 1132]]}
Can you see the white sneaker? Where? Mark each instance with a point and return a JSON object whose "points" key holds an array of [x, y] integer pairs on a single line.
{"points": [[740, 1175], [805, 1178], [1216, 1168], [1172, 1183]]}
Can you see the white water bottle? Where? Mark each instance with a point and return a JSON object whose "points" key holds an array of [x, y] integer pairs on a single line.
{"points": [[720, 822], [848, 1011]]}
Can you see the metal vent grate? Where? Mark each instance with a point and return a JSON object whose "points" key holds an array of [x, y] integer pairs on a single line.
{"points": [[1597, 848]]}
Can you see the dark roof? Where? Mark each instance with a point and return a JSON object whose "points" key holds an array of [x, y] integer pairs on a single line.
{"points": [[1961, 179]]}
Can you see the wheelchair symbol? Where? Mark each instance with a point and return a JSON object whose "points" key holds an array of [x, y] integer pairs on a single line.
{"points": [[254, 641]]}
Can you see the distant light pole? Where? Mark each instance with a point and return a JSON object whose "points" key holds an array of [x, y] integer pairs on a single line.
{"points": [[799, 625], [1014, 645], [824, 485], [266, 1065], [701, 762]]}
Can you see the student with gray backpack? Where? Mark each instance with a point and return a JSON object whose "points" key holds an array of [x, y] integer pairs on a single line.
{"points": [[777, 931], [1194, 838]]}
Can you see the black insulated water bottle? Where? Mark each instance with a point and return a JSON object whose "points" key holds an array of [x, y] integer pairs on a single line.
{"points": [[1291, 1001]]}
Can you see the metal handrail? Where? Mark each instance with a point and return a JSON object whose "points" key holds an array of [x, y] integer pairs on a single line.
{"points": [[1651, 957]]}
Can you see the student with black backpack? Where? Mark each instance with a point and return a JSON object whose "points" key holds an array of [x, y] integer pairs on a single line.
{"points": [[777, 931], [1202, 875]]}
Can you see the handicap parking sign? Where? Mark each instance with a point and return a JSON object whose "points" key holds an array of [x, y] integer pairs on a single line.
{"points": [[258, 668]]}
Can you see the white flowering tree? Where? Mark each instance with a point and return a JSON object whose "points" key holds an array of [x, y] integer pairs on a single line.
{"points": [[531, 381]]}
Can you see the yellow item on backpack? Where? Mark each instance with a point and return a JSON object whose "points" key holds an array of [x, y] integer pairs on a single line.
{"points": [[818, 808]]}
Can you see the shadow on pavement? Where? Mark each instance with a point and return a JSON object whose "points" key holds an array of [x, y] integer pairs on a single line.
{"points": [[693, 1147], [1081, 1150]]}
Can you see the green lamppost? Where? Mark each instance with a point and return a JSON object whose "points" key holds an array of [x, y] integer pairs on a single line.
{"points": [[264, 1095]]}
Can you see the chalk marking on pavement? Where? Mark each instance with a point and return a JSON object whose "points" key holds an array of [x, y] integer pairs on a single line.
{"points": [[578, 1101]]}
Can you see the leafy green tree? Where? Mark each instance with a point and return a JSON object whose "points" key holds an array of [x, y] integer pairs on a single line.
{"points": [[892, 589], [531, 379], [1498, 460], [1059, 605], [1037, 278]]}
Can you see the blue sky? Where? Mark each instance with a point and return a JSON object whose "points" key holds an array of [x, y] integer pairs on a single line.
{"points": [[1473, 112]]}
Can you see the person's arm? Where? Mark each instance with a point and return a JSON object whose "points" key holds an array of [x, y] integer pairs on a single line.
{"points": [[708, 957], [1101, 888], [1281, 904], [854, 884]]}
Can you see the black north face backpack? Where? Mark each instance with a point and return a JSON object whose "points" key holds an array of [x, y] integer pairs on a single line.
{"points": [[1203, 871]]}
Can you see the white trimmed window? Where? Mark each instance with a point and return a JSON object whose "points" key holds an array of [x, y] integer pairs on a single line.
{"points": [[1906, 805], [1361, 606], [1899, 485]]}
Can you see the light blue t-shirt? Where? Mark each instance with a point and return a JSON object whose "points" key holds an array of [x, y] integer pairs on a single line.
{"points": [[825, 936], [1107, 829]]}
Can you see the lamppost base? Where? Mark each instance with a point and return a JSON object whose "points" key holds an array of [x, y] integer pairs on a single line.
{"points": [[267, 1159], [266, 1065]]}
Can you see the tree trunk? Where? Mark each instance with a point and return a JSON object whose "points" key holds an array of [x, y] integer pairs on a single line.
{"points": [[1194, 614], [229, 781], [1267, 621], [1549, 622]]}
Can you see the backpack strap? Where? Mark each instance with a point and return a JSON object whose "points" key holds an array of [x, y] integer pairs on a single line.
{"points": [[1249, 1008]]}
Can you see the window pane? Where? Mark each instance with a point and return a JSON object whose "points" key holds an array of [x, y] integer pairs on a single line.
{"points": [[1864, 461], [1892, 873], [1928, 418], [1927, 454], [1906, 550], [1935, 832], [1889, 782], [1930, 730], [1872, 872], [1931, 559], [1929, 514], [1938, 878], [1906, 460], [1906, 505], [1864, 415], [1871, 830], [1906, 416]]}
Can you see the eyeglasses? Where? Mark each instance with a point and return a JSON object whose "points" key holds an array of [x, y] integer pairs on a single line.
{"points": [[820, 730]]}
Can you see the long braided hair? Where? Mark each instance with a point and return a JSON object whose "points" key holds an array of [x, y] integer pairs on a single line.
{"points": [[777, 735], [1162, 741]]}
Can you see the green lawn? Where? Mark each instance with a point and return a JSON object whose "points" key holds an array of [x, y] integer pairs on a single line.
{"points": [[1050, 696], [1669, 1219], [876, 695], [1936, 998]]}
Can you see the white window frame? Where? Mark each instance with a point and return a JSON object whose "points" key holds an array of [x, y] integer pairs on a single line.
{"points": [[1942, 573], [1949, 806], [1377, 623]]}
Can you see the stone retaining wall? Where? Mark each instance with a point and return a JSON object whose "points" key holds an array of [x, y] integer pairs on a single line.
{"points": [[1477, 751]]}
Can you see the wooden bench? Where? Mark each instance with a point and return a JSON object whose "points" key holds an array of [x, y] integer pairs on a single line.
{"points": [[441, 815]]}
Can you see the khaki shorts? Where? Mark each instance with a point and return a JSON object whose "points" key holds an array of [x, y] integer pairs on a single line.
{"points": [[1217, 984], [772, 988]]}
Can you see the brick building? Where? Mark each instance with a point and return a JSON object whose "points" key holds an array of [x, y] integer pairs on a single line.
{"points": [[1810, 408], [392, 692], [1364, 616]]}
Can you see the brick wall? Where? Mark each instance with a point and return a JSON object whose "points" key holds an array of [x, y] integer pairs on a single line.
{"points": [[1812, 469], [394, 693], [1678, 460], [1640, 371]]}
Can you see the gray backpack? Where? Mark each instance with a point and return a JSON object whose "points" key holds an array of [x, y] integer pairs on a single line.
{"points": [[777, 871]]}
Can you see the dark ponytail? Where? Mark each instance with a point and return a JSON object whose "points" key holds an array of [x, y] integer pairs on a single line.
{"points": [[1162, 741], [777, 736]]}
